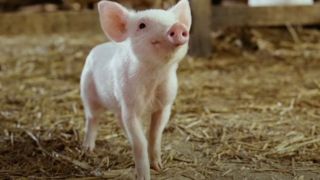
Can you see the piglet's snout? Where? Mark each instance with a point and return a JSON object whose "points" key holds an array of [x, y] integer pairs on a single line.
{"points": [[178, 34]]}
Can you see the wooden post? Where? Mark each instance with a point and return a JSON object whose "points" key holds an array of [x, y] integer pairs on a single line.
{"points": [[201, 27], [229, 16]]}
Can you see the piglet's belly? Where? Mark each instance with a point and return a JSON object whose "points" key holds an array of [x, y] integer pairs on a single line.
{"points": [[110, 103], [107, 98]]}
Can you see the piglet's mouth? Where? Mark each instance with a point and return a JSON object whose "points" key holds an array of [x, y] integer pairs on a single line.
{"points": [[155, 42]]}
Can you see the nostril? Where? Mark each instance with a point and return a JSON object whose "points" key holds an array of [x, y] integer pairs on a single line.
{"points": [[184, 34], [172, 34]]}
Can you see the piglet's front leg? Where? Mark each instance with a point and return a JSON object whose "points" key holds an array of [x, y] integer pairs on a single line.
{"points": [[159, 119], [134, 131]]}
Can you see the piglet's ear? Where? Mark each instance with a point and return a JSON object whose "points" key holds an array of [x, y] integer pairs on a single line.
{"points": [[183, 12], [113, 20]]}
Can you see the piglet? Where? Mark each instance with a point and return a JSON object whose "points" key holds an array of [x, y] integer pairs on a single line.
{"points": [[134, 75]]}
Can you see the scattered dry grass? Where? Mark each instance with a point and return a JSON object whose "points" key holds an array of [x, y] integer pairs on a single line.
{"points": [[252, 111]]}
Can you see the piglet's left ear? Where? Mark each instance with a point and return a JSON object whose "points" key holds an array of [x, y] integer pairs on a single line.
{"points": [[183, 12]]}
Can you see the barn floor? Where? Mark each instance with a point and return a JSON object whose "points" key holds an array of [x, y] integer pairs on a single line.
{"points": [[251, 111]]}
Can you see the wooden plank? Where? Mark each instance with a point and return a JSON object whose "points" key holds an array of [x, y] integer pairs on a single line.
{"points": [[56, 22], [264, 16], [200, 44]]}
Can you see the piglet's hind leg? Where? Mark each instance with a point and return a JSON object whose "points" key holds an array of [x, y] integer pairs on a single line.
{"points": [[92, 108]]}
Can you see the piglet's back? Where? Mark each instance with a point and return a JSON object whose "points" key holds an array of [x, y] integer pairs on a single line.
{"points": [[101, 54]]}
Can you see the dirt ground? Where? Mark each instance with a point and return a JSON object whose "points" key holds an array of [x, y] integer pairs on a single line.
{"points": [[251, 111]]}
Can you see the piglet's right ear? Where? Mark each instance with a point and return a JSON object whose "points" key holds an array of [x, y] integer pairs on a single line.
{"points": [[113, 20]]}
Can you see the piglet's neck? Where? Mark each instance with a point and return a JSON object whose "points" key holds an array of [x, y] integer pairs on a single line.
{"points": [[146, 67], [146, 71]]}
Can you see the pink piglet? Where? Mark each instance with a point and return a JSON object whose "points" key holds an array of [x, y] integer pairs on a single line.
{"points": [[134, 75]]}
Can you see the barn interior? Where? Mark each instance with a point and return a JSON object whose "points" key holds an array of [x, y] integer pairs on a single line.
{"points": [[248, 105]]}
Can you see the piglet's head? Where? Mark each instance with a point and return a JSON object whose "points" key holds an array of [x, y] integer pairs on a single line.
{"points": [[153, 35]]}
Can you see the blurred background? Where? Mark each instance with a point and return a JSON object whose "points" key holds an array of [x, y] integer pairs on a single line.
{"points": [[248, 105], [76, 5]]}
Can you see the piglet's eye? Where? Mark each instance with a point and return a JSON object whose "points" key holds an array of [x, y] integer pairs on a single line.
{"points": [[142, 25]]}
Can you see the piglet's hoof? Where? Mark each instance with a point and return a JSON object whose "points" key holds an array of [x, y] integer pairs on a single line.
{"points": [[156, 165]]}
